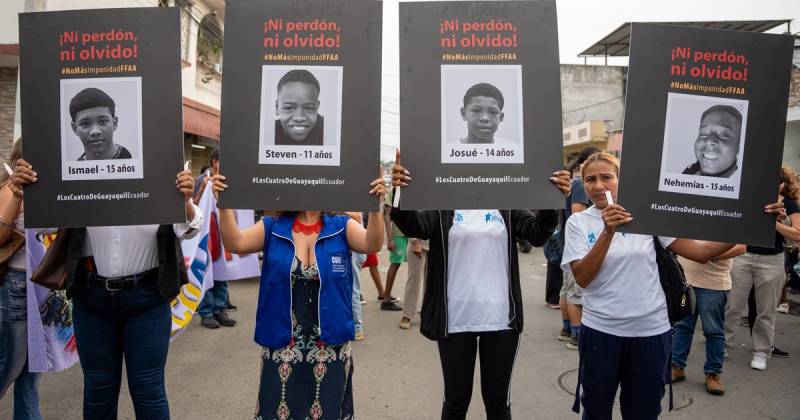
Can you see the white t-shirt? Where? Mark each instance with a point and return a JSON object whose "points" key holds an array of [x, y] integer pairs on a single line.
{"points": [[477, 272], [625, 298]]}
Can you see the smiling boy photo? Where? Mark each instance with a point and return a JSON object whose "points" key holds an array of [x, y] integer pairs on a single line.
{"points": [[717, 145], [299, 122]]}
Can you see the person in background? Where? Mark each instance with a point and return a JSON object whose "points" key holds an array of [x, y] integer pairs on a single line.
{"points": [[762, 269], [711, 283], [571, 298], [13, 302], [417, 263], [213, 309], [397, 244]]}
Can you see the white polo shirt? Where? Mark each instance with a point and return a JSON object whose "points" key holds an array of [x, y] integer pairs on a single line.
{"points": [[625, 298]]}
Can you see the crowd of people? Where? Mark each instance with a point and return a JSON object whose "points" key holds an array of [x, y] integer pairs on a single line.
{"points": [[463, 262]]}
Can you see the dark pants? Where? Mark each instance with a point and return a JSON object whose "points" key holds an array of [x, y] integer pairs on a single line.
{"points": [[132, 324], [555, 279], [498, 350], [639, 364]]}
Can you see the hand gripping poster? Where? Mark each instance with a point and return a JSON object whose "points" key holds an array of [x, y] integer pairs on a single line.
{"points": [[301, 104], [704, 126], [480, 104], [101, 116]]}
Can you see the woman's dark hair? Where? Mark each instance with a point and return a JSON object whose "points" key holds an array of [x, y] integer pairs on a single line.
{"points": [[581, 157], [791, 185]]}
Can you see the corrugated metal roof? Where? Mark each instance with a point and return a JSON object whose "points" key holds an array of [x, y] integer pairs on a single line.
{"points": [[617, 43]]}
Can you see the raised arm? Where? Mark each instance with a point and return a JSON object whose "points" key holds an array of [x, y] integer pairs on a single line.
{"points": [[237, 241], [369, 240], [586, 268]]}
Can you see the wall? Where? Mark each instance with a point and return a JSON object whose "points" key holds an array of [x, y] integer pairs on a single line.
{"points": [[8, 104], [593, 93]]}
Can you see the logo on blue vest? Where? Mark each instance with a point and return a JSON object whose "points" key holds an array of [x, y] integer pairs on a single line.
{"points": [[492, 216], [338, 264], [592, 239], [459, 218]]}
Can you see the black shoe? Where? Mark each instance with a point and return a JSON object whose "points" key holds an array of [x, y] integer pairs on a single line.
{"points": [[776, 352], [209, 322], [393, 299], [390, 306], [230, 307], [224, 319]]}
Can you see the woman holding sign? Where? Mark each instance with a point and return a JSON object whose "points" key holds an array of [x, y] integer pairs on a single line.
{"points": [[626, 336], [121, 294], [473, 301], [304, 320]]}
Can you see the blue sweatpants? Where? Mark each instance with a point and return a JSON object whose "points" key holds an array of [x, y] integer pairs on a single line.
{"points": [[639, 364]]}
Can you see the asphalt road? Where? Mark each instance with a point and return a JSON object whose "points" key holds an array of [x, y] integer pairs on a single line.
{"points": [[213, 374]]}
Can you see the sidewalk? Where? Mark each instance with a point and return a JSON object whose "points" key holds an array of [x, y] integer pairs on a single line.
{"points": [[213, 374]]}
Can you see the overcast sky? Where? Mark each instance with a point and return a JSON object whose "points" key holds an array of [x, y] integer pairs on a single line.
{"points": [[581, 23]]}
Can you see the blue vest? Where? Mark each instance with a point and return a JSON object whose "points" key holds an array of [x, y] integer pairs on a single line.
{"points": [[274, 313]]}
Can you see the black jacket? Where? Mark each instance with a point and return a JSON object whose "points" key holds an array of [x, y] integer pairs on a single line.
{"points": [[171, 267], [435, 225]]}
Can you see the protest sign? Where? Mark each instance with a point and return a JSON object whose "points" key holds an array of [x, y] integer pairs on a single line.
{"points": [[101, 116], [492, 137], [309, 137], [704, 126]]}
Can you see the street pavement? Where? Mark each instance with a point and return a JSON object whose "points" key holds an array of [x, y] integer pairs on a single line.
{"points": [[214, 374]]}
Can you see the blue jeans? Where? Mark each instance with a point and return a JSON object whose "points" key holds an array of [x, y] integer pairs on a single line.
{"points": [[358, 259], [215, 300], [133, 324], [14, 347], [711, 309]]}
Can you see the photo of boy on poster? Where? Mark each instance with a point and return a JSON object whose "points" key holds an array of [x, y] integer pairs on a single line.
{"points": [[294, 102], [482, 114], [703, 140], [101, 124]]}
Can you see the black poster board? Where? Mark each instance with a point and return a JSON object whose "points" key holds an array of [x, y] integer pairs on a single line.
{"points": [[301, 96], [499, 148], [705, 117], [101, 116]]}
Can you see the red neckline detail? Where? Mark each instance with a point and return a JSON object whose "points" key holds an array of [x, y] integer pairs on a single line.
{"points": [[299, 227]]}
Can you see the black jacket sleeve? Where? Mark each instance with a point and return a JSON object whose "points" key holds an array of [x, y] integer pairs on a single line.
{"points": [[536, 229], [413, 223]]}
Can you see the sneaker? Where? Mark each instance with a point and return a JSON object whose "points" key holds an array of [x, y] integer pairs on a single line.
{"points": [[363, 301], [679, 375], [231, 307], [572, 344], [390, 306], [783, 308], [713, 383], [359, 335], [405, 323], [759, 361], [224, 319], [209, 322], [553, 306], [393, 299], [776, 352], [564, 335]]}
